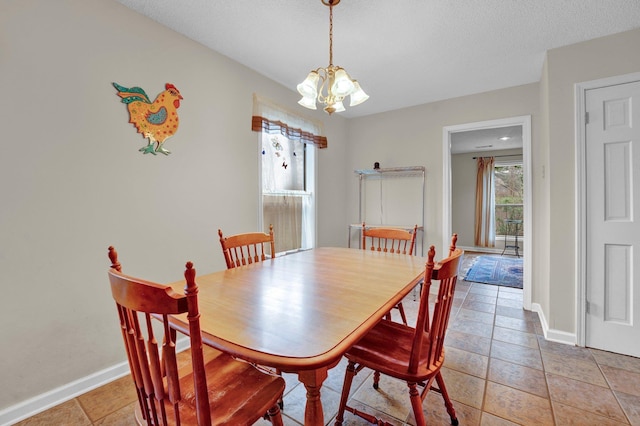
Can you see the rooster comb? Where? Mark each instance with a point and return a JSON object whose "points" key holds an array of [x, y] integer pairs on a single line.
{"points": [[170, 86]]}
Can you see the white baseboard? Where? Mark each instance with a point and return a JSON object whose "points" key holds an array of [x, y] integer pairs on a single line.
{"points": [[62, 394], [49, 399], [550, 334]]}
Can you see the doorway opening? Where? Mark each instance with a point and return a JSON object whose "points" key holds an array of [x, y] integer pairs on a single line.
{"points": [[481, 137]]}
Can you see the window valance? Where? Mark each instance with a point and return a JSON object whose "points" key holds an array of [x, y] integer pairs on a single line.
{"points": [[271, 118]]}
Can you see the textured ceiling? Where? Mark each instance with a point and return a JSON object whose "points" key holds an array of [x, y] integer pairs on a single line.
{"points": [[403, 52]]}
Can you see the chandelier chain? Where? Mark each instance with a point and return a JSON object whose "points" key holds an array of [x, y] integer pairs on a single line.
{"points": [[331, 34], [335, 83]]}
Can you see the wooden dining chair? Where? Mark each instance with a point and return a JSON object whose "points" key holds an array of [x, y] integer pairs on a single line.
{"points": [[213, 388], [390, 240], [414, 355], [247, 248]]}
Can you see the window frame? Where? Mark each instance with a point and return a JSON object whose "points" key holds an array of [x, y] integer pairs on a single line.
{"points": [[270, 118], [310, 170], [502, 235]]}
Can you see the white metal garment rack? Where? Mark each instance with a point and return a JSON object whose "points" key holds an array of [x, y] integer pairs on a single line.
{"points": [[366, 175]]}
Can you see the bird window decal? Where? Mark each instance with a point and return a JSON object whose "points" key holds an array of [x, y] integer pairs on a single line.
{"points": [[156, 121]]}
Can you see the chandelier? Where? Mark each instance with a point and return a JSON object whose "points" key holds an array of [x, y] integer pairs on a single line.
{"points": [[335, 82]]}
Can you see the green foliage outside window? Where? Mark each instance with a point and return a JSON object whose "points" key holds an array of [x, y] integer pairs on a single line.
{"points": [[509, 193]]}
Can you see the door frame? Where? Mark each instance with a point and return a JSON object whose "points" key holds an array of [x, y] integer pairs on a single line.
{"points": [[525, 122], [581, 194]]}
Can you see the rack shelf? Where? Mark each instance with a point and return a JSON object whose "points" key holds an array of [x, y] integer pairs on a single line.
{"points": [[365, 175], [391, 172]]}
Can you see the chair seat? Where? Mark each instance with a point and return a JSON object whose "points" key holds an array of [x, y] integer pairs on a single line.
{"points": [[412, 354], [236, 389], [387, 349], [196, 387]]}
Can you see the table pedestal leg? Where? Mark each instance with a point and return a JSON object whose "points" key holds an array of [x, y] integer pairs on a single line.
{"points": [[312, 380]]}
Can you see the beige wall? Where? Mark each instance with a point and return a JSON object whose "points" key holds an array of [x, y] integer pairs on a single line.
{"points": [[73, 181], [566, 66], [413, 137]]}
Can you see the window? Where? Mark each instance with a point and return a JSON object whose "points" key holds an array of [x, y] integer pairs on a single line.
{"points": [[287, 151], [287, 191], [509, 195]]}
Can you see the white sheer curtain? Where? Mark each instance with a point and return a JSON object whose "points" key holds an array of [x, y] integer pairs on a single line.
{"points": [[485, 228], [292, 223], [288, 176]]}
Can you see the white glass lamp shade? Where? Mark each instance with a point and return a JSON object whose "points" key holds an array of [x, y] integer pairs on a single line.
{"points": [[308, 102], [309, 87], [342, 84], [339, 106], [357, 96]]}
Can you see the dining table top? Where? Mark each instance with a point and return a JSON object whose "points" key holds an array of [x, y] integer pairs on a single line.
{"points": [[300, 311]]}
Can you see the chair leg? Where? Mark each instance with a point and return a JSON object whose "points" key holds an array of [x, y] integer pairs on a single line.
{"points": [[400, 308], [275, 415], [416, 404], [281, 400], [376, 379], [402, 314], [447, 402], [346, 388]]}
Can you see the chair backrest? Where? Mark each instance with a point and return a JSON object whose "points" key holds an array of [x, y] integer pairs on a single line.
{"points": [[155, 373], [389, 240], [434, 329], [243, 249], [454, 241]]}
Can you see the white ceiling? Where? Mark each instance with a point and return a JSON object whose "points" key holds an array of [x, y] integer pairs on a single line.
{"points": [[403, 52], [486, 139]]}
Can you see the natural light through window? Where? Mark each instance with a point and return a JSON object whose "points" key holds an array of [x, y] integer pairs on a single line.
{"points": [[287, 191], [509, 195]]}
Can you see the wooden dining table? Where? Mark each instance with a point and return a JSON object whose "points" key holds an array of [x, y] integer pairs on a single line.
{"points": [[301, 312]]}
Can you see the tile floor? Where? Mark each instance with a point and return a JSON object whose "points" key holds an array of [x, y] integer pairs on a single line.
{"points": [[499, 371]]}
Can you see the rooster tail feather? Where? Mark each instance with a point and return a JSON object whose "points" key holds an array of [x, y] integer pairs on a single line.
{"points": [[132, 94]]}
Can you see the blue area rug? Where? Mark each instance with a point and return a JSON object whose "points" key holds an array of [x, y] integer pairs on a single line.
{"points": [[497, 270]]}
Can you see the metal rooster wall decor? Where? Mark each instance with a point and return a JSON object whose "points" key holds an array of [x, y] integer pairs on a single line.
{"points": [[156, 121]]}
